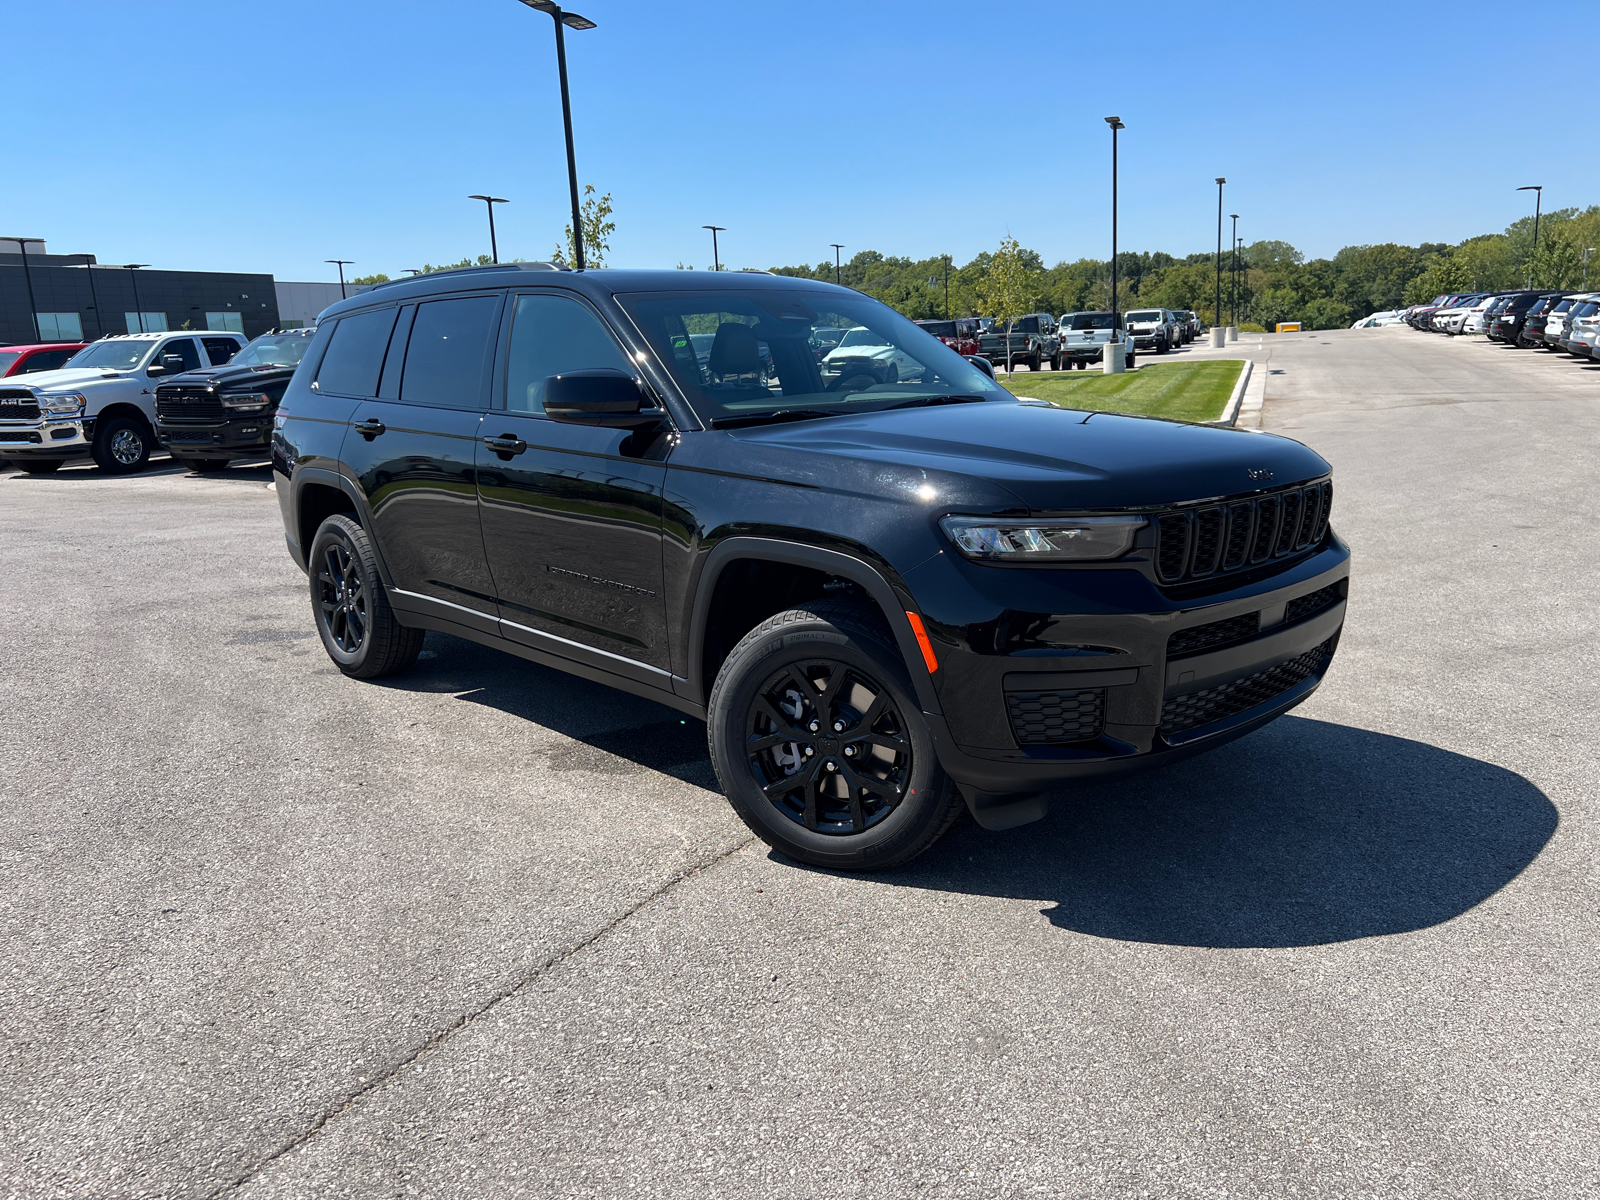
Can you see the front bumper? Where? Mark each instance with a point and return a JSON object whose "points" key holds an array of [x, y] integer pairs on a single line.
{"points": [[1144, 341], [1017, 724], [249, 435], [49, 437]]}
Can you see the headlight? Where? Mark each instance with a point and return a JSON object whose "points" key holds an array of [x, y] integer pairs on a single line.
{"points": [[69, 403], [1071, 539], [245, 401]]}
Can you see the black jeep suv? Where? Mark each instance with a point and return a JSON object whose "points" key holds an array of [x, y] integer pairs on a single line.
{"points": [[208, 418], [883, 600]]}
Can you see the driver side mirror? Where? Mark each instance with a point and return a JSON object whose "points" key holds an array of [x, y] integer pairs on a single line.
{"points": [[606, 398], [983, 364]]}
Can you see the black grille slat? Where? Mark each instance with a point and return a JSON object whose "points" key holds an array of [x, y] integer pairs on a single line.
{"points": [[1218, 633], [1292, 508], [1193, 709], [1240, 526], [189, 404], [1172, 553], [19, 410], [1056, 718], [1309, 606], [1268, 510], [1324, 510], [1207, 541]]}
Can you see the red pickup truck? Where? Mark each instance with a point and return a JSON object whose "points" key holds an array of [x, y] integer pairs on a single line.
{"points": [[44, 356], [960, 336]]}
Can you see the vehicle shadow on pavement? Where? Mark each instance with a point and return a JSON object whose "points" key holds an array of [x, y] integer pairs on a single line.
{"points": [[1304, 833]]}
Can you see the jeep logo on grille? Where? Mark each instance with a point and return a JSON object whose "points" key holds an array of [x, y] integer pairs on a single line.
{"points": [[1258, 474]]}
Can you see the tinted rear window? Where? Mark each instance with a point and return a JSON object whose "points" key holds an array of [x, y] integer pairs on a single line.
{"points": [[350, 367], [446, 358], [1091, 320], [939, 329]]}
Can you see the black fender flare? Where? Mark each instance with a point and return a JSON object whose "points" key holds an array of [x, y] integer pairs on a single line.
{"points": [[833, 562], [327, 478]]}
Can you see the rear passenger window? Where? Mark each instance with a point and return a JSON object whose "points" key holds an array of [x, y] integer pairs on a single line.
{"points": [[354, 356], [447, 354], [550, 335], [219, 350]]}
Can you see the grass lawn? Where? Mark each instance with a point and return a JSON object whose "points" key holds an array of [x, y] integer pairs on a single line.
{"points": [[1194, 391]]}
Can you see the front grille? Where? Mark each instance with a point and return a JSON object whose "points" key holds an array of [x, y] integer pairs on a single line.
{"points": [[189, 404], [1218, 633], [1056, 718], [1310, 606], [1211, 539], [1228, 699], [18, 404]]}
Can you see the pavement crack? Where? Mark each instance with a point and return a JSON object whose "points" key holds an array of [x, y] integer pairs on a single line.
{"points": [[438, 1039]]}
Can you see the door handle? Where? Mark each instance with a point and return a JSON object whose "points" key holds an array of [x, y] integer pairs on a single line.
{"points": [[370, 428], [506, 445]]}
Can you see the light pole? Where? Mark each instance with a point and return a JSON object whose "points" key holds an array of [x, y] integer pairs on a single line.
{"points": [[716, 259], [946, 258], [1116, 124], [1218, 309], [33, 309], [1538, 199], [342, 263], [131, 268], [837, 271], [94, 298], [570, 20], [1233, 275], [489, 202]]}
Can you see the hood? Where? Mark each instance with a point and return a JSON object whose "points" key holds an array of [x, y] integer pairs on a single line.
{"points": [[66, 379], [225, 374], [1051, 459]]}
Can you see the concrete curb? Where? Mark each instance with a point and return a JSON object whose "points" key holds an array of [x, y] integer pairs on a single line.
{"points": [[1255, 395], [1230, 411]]}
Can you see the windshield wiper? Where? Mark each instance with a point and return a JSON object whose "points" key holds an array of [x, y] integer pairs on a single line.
{"points": [[931, 401], [771, 417]]}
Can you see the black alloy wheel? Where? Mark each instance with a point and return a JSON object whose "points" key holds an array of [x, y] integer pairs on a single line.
{"points": [[121, 445], [819, 742], [357, 626]]}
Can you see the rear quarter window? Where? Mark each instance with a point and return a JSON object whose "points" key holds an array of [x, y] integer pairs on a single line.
{"points": [[354, 356]]}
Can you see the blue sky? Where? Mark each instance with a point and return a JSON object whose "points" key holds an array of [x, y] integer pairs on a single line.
{"points": [[237, 136]]}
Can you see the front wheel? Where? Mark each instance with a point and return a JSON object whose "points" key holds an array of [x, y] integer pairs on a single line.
{"points": [[121, 445], [1127, 362], [820, 745], [358, 628]]}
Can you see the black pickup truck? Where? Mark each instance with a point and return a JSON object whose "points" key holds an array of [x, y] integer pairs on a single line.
{"points": [[1032, 340], [206, 419]]}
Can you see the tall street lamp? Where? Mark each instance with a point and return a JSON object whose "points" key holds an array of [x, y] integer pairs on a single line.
{"points": [[1218, 309], [342, 264], [716, 258], [132, 269], [1238, 275], [1233, 275], [1116, 124], [569, 20], [837, 270], [1538, 198], [946, 258], [33, 309], [489, 202], [94, 298]]}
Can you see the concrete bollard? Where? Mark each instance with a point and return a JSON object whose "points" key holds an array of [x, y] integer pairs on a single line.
{"points": [[1217, 334], [1233, 333], [1114, 358]]}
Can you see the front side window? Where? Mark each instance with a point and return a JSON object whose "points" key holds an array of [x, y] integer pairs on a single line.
{"points": [[355, 354], [773, 350], [446, 356], [551, 335], [183, 348]]}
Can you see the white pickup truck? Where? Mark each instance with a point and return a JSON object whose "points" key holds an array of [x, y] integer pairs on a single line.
{"points": [[102, 402]]}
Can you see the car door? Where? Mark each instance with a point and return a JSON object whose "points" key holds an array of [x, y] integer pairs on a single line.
{"points": [[412, 442], [572, 513]]}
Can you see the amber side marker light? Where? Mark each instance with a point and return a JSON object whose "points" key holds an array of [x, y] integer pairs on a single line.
{"points": [[922, 642]]}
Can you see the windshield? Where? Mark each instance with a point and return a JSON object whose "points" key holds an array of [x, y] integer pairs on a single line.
{"points": [[1091, 320], [273, 350], [8, 359], [1144, 316], [118, 355], [782, 351]]}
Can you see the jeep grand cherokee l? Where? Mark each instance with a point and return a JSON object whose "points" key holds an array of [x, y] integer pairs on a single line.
{"points": [[884, 601]]}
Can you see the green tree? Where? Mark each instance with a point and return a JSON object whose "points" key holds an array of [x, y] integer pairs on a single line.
{"points": [[1325, 313], [1011, 284], [1557, 263], [595, 213], [379, 278]]}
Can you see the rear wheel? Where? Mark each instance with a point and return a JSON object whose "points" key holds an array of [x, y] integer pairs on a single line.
{"points": [[358, 628], [820, 745], [38, 466], [121, 445]]}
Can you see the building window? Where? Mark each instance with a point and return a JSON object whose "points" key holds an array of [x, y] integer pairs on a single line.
{"points": [[145, 322], [225, 322], [60, 327]]}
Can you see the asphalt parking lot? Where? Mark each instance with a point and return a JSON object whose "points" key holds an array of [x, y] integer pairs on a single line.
{"points": [[486, 930]]}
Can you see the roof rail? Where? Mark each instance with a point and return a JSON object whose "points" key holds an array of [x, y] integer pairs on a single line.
{"points": [[511, 266]]}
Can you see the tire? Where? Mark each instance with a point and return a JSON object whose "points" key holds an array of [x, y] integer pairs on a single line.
{"points": [[1036, 360], [121, 445], [1127, 363], [358, 628], [37, 466], [201, 466], [1163, 346], [764, 702]]}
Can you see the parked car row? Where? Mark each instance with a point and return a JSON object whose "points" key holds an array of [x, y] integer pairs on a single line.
{"points": [[1527, 318], [1074, 339]]}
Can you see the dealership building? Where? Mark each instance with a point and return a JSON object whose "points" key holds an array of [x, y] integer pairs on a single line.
{"points": [[75, 298]]}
